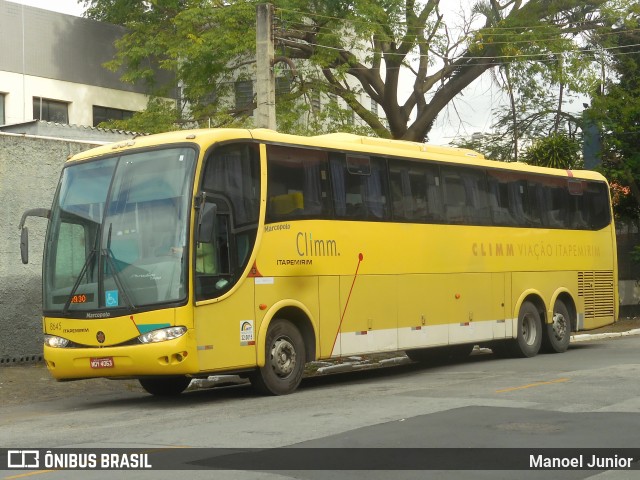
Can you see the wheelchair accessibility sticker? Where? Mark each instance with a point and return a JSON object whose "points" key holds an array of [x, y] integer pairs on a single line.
{"points": [[111, 298]]}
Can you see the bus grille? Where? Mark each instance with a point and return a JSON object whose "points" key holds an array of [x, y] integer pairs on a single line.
{"points": [[596, 288]]}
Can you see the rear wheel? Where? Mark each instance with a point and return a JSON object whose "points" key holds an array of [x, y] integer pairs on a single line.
{"points": [[285, 359], [529, 339], [558, 332], [165, 386]]}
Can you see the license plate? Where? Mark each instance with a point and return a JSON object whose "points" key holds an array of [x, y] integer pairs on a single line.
{"points": [[104, 362]]}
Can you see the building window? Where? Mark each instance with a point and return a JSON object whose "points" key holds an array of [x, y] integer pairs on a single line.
{"points": [[315, 101], [105, 114], [244, 94], [1, 108], [374, 107], [50, 110], [283, 86]]}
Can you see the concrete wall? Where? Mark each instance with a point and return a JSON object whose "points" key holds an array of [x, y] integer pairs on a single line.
{"points": [[29, 172]]}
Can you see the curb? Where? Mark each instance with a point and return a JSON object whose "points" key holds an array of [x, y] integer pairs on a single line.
{"points": [[599, 336]]}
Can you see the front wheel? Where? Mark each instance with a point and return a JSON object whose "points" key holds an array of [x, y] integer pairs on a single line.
{"points": [[165, 386], [285, 359], [558, 332]]}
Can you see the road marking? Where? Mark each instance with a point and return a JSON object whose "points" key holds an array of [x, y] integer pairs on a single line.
{"points": [[531, 385], [29, 474]]}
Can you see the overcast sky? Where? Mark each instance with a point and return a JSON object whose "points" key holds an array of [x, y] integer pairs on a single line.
{"points": [[474, 106], [70, 7]]}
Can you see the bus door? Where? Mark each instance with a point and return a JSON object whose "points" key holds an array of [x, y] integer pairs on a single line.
{"points": [[227, 212]]}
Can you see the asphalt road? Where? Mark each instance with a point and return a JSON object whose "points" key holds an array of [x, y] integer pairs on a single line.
{"points": [[588, 397]]}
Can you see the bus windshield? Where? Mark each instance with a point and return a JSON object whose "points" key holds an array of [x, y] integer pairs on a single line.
{"points": [[118, 233]]}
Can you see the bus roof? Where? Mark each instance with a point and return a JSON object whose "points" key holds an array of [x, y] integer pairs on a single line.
{"points": [[336, 141]]}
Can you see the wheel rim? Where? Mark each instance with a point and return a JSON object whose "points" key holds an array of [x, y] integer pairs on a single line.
{"points": [[283, 357], [559, 326], [529, 329]]}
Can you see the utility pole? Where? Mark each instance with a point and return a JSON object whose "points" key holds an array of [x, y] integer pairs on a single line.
{"points": [[265, 76]]}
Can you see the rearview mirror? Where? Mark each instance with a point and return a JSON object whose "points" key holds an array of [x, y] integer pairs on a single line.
{"points": [[24, 232], [24, 245]]}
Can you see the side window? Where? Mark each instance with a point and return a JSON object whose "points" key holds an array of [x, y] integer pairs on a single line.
{"points": [[553, 201], [529, 194], [360, 189], [499, 195], [231, 183], [597, 202], [415, 192], [232, 173], [522, 200], [298, 183], [465, 196], [590, 205], [515, 199]]}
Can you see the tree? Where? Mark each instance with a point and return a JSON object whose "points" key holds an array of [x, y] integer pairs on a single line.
{"points": [[159, 116], [616, 110], [347, 47], [495, 146], [555, 151]]}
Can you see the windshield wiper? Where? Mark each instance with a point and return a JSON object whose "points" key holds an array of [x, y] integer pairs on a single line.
{"points": [[83, 272]]}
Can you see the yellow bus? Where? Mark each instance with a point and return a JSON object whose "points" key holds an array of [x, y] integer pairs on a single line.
{"points": [[180, 255]]}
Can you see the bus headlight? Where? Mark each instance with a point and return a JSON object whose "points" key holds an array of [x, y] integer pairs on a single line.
{"points": [[55, 342], [162, 334]]}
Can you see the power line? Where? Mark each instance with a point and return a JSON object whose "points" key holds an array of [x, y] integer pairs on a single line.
{"points": [[405, 24], [502, 57], [470, 37]]}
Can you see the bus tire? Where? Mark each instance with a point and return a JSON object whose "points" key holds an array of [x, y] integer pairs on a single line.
{"points": [[529, 339], [285, 359], [558, 333], [165, 386]]}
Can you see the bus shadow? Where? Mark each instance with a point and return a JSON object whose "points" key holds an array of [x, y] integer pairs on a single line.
{"points": [[389, 371], [203, 395], [197, 396]]}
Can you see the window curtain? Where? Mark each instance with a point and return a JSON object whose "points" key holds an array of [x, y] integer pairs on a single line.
{"points": [[312, 188], [373, 200], [337, 167]]}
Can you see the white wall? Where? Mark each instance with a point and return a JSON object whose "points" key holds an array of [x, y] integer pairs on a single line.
{"points": [[20, 90]]}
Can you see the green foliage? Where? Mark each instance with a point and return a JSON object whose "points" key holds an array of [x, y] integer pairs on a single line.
{"points": [[159, 116], [554, 151], [492, 146], [349, 47], [617, 113]]}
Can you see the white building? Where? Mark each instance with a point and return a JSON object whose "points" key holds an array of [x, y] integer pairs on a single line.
{"points": [[51, 69]]}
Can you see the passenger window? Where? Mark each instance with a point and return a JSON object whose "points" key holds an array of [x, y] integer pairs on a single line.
{"points": [[360, 189], [415, 192], [498, 198], [298, 183], [553, 202], [465, 194]]}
